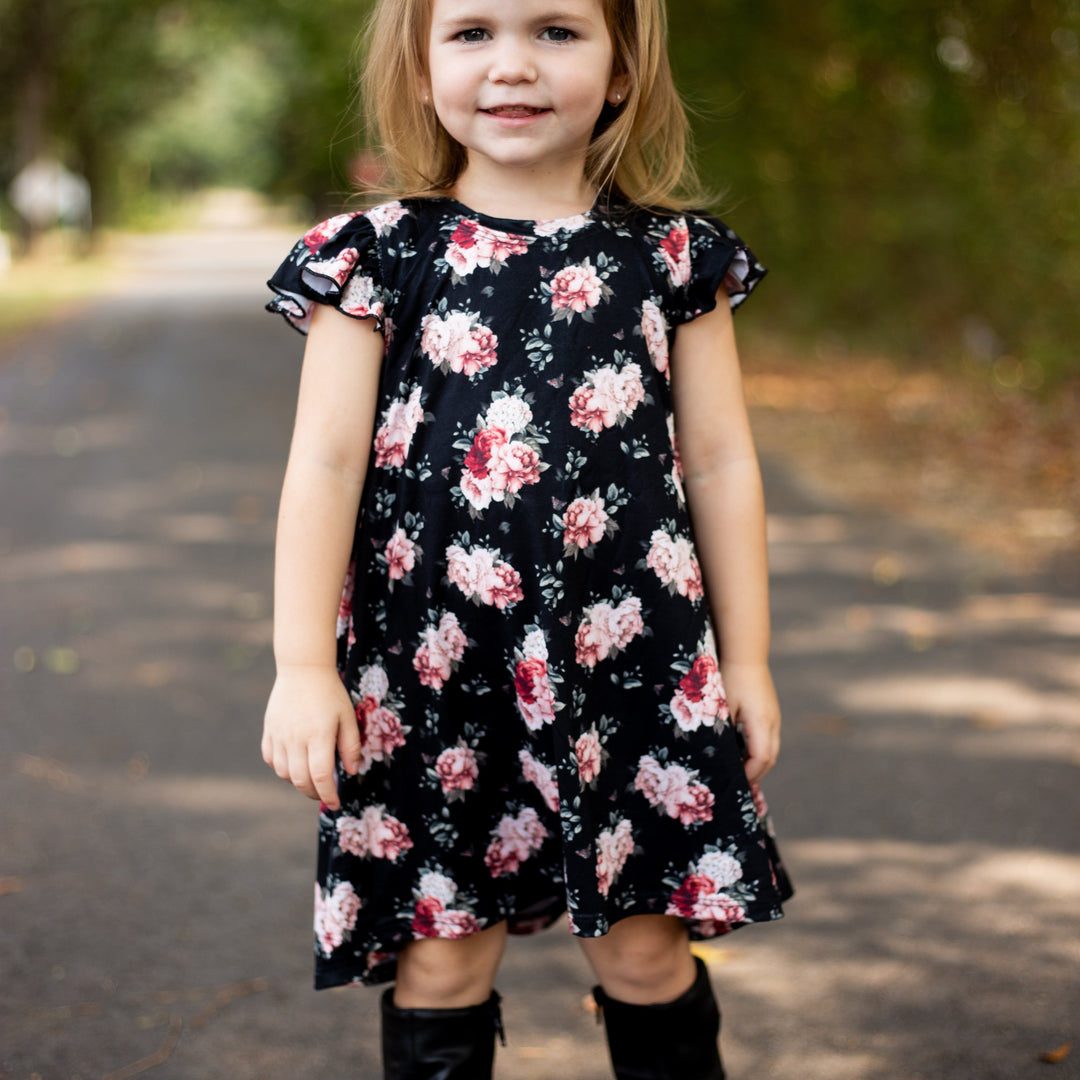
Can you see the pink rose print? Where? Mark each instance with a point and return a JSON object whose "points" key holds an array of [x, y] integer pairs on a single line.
{"points": [[335, 915], [584, 523], [319, 234], [614, 846], [535, 701], [400, 554], [456, 769], [483, 447], [386, 216], [440, 651], [676, 251], [513, 465], [380, 732], [515, 838], [432, 919], [700, 696], [435, 915], [608, 397], [374, 834], [606, 630], [587, 752], [540, 775], [498, 465], [483, 576], [698, 898], [654, 329], [674, 790], [576, 289], [458, 343], [344, 615], [393, 438], [336, 269], [474, 245], [675, 564]]}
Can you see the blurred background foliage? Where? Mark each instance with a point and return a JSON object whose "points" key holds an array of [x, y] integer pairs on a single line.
{"points": [[910, 170]]}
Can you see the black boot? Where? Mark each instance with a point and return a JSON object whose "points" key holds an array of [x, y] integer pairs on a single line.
{"points": [[672, 1040], [440, 1044]]}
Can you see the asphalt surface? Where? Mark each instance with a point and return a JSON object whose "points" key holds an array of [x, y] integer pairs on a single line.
{"points": [[156, 877]]}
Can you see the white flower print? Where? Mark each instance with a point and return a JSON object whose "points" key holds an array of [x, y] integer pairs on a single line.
{"points": [[654, 329], [510, 414], [385, 216]]}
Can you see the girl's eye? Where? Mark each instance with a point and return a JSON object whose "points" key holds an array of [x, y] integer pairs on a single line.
{"points": [[472, 35], [559, 33]]}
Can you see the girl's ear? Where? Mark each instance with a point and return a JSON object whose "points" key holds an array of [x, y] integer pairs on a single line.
{"points": [[618, 88]]}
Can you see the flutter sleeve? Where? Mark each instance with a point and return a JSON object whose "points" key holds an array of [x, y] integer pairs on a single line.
{"points": [[716, 256], [336, 263]]}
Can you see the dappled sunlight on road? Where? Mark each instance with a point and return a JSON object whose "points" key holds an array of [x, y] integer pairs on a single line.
{"points": [[895, 950], [960, 695]]}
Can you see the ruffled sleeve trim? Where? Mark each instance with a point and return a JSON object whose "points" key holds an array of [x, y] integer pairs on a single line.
{"points": [[717, 257], [336, 263]]}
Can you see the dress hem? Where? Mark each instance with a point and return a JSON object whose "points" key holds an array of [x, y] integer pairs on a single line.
{"points": [[329, 975]]}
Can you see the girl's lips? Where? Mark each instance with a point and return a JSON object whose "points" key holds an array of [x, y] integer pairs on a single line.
{"points": [[514, 111]]}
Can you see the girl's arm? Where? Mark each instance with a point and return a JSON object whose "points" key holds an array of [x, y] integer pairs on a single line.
{"points": [[309, 711], [726, 502]]}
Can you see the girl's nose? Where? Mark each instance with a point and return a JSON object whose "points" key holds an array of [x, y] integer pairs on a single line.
{"points": [[512, 63]]}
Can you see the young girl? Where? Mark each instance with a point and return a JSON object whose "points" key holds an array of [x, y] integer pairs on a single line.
{"points": [[521, 443]]}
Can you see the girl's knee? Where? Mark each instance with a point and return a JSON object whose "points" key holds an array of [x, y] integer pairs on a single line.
{"points": [[641, 951], [449, 973]]}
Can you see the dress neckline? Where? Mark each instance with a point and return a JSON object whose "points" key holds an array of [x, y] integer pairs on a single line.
{"points": [[536, 226]]}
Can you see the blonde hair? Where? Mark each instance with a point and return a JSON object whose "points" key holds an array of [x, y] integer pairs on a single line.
{"points": [[643, 153]]}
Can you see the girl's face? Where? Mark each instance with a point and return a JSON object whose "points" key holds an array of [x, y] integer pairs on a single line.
{"points": [[521, 84]]}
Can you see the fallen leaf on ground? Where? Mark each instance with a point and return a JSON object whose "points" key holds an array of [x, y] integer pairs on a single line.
{"points": [[1052, 1057]]}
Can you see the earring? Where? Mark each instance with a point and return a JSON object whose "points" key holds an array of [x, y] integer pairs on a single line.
{"points": [[618, 97]]}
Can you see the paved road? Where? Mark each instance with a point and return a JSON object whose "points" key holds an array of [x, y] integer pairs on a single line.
{"points": [[155, 901]]}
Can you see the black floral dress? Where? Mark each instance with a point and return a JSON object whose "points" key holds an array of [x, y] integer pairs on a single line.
{"points": [[523, 628]]}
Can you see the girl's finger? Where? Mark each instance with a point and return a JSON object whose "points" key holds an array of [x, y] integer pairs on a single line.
{"points": [[298, 770], [348, 743], [280, 761], [321, 771]]}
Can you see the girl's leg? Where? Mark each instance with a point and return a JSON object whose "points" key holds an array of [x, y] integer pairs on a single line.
{"points": [[445, 973], [643, 959], [656, 1001], [440, 1018]]}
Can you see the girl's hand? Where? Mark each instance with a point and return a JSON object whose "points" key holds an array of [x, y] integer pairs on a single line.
{"points": [[754, 707], [308, 714]]}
